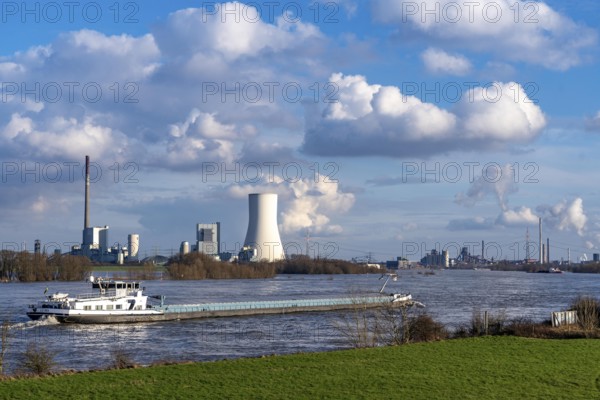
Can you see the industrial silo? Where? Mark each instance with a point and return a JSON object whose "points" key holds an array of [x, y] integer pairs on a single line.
{"points": [[133, 245]]}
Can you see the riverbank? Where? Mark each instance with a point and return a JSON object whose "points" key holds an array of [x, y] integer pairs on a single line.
{"points": [[474, 368]]}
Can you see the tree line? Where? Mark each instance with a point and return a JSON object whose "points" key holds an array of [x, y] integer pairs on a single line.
{"points": [[30, 267], [201, 266]]}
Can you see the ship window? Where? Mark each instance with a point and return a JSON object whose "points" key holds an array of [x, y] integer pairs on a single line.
{"points": [[98, 307], [109, 307], [88, 308], [119, 306]]}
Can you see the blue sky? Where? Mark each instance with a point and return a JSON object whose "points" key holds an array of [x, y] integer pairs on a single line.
{"points": [[386, 127]]}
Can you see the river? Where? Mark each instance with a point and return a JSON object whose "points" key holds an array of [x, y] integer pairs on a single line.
{"points": [[450, 297]]}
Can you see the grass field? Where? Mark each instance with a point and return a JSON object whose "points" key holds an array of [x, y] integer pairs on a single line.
{"points": [[477, 368]]}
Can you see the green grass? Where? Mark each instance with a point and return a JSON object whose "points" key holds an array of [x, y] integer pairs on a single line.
{"points": [[479, 368]]}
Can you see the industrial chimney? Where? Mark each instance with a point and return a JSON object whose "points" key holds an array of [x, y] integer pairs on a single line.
{"points": [[540, 243], [263, 232], [86, 218]]}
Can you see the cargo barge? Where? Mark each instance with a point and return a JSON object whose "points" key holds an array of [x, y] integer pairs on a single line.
{"points": [[125, 302]]}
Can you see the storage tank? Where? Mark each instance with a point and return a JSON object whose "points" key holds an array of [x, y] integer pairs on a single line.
{"points": [[184, 248], [263, 232], [133, 244]]}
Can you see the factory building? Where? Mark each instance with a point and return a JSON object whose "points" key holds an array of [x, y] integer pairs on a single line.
{"points": [[95, 243], [398, 263], [208, 238], [96, 238], [436, 258]]}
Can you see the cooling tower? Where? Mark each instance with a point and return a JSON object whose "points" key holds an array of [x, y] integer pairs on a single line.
{"points": [[263, 233]]}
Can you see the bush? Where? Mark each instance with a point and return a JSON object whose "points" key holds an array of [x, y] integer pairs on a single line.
{"points": [[121, 359], [37, 360], [423, 328], [496, 323], [588, 312]]}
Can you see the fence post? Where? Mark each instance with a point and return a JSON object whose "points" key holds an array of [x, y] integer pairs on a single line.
{"points": [[485, 323]]}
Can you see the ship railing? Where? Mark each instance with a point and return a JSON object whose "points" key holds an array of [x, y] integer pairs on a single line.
{"points": [[107, 293]]}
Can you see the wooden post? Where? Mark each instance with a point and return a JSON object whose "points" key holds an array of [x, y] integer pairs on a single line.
{"points": [[485, 323]]}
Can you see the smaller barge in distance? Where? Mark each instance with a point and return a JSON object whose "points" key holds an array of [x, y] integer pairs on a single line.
{"points": [[124, 302]]}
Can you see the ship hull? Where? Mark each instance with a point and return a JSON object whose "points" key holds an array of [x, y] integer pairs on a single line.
{"points": [[182, 312], [99, 318]]}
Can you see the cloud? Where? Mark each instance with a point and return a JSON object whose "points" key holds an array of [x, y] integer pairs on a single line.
{"points": [[40, 205], [520, 216], [154, 103], [59, 138], [593, 123], [350, 6], [469, 224], [311, 203], [496, 180], [202, 137], [380, 120], [530, 32], [439, 62], [234, 30]]}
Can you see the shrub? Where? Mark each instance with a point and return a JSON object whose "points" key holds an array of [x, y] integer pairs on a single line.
{"points": [[37, 360], [588, 312], [121, 359], [423, 328], [4, 347]]}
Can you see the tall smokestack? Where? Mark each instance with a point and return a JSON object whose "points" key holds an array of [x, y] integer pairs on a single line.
{"points": [[543, 253], [482, 250], [541, 249], [86, 219], [548, 250]]}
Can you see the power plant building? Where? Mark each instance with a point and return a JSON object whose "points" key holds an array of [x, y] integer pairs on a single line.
{"points": [[436, 258], [95, 244], [96, 238], [208, 238], [262, 237]]}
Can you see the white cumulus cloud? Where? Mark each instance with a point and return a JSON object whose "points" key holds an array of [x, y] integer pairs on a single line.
{"points": [[439, 62], [518, 216], [370, 119], [528, 31], [310, 204]]}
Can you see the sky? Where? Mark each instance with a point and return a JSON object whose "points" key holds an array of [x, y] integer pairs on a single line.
{"points": [[387, 128]]}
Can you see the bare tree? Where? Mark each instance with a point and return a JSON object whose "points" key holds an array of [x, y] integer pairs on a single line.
{"points": [[4, 347], [38, 360]]}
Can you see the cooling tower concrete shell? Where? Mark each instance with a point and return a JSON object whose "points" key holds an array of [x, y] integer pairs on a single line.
{"points": [[263, 232]]}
